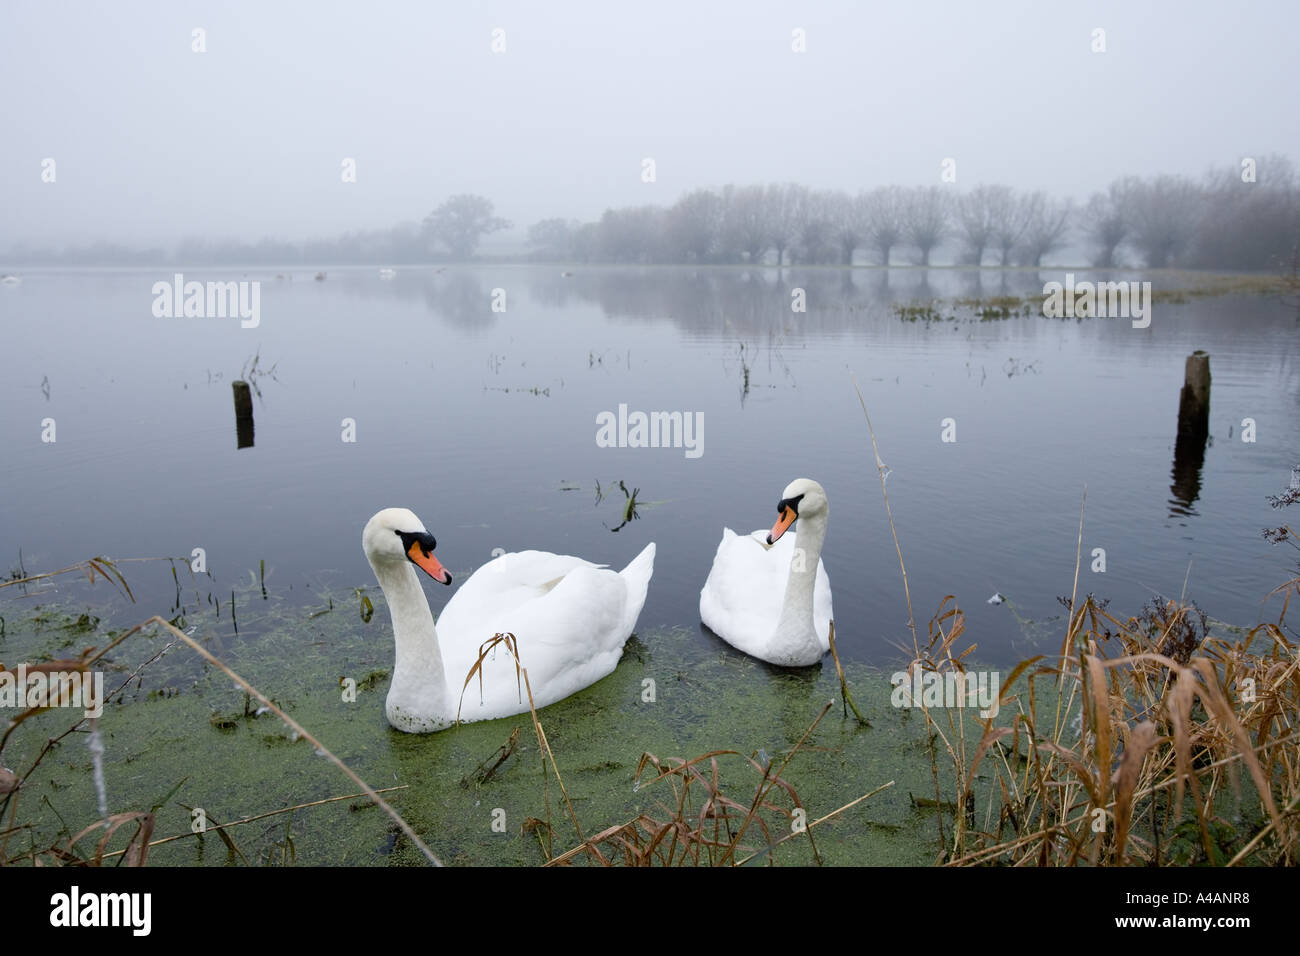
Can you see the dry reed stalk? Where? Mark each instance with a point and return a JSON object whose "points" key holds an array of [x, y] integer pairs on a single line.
{"points": [[511, 644], [105, 567], [1154, 760], [259, 816], [881, 472], [712, 832], [295, 726], [844, 684], [819, 821]]}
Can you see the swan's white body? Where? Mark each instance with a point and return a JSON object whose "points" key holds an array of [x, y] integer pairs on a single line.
{"points": [[570, 619], [774, 603]]}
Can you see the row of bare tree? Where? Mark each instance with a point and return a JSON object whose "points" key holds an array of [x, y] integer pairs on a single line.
{"points": [[1225, 220], [1240, 218]]}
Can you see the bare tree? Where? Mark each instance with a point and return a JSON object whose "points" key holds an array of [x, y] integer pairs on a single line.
{"points": [[846, 224], [744, 225], [461, 222], [1250, 221], [786, 207], [693, 226], [1010, 218], [977, 216], [585, 242], [880, 220], [1046, 223], [1106, 222], [553, 238], [926, 216], [1165, 212], [818, 229], [633, 234]]}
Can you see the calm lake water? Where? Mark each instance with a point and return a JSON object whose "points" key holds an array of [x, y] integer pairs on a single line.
{"points": [[484, 423]]}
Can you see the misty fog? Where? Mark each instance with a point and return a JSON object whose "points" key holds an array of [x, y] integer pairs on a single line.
{"points": [[238, 122]]}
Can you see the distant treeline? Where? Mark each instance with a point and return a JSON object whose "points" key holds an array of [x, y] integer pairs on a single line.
{"points": [[1241, 219], [1244, 218]]}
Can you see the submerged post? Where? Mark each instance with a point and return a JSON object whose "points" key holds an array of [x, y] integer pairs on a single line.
{"points": [[1194, 402], [243, 414], [1193, 433]]}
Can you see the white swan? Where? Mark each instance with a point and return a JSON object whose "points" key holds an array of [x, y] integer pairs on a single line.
{"points": [[570, 619], [767, 594]]}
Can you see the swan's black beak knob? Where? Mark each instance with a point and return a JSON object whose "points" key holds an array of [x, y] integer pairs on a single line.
{"points": [[419, 547]]}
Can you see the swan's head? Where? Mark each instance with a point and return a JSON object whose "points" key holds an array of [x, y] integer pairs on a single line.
{"points": [[396, 535], [802, 497]]}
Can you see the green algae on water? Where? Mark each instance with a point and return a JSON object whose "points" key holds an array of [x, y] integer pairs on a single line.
{"points": [[182, 734]]}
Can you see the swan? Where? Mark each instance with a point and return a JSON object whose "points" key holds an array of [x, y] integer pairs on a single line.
{"points": [[767, 593], [570, 619]]}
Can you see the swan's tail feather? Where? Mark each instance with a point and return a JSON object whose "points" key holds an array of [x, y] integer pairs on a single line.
{"points": [[637, 575]]}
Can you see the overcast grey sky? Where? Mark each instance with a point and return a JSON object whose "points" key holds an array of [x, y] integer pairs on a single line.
{"points": [[153, 141]]}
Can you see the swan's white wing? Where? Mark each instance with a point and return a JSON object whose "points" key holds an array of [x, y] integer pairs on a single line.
{"points": [[570, 619], [506, 582], [741, 600], [822, 610]]}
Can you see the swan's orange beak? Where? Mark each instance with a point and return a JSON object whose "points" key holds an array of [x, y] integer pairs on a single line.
{"points": [[782, 525], [428, 563]]}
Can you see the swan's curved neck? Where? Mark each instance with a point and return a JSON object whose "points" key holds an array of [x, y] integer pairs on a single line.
{"points": [[418, 699], [796, 624]]}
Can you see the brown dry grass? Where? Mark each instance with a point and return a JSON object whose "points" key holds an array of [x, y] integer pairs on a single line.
{"points": [[1216, 724], [1162, 712], [700, 825]]}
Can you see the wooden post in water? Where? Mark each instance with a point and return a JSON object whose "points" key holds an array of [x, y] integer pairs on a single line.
{"points": [[243, 414], [1193, 433], [1194, 402]]}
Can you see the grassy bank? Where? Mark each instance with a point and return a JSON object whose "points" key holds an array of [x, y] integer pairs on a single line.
{"points": [[1138, 746]]}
